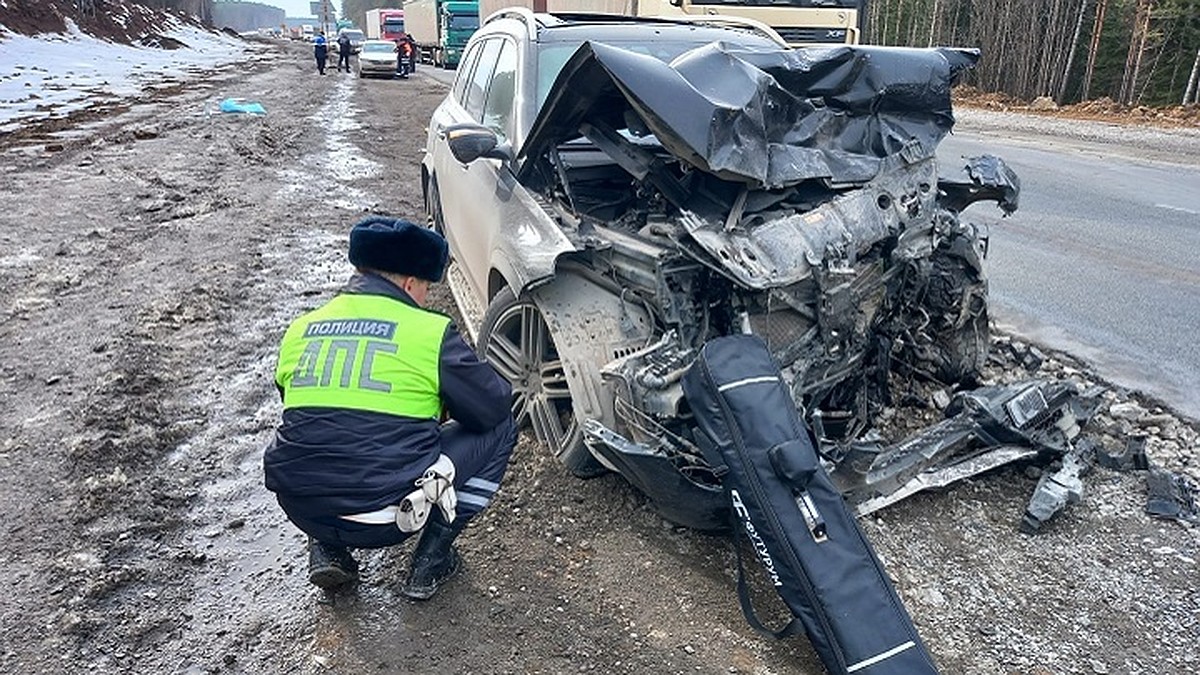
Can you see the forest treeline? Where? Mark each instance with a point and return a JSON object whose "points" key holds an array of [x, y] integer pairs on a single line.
{"points": [[1136, 52]]}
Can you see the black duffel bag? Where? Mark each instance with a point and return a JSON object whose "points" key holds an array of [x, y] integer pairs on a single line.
{"points": [[815, 555]]}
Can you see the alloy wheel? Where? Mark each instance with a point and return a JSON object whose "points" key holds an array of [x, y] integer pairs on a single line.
{"points": [[521, 349]]}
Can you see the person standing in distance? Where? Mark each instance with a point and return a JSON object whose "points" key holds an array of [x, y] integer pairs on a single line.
{"points": [[361, 458], [343, 43], [403, 57], [320, 50]]}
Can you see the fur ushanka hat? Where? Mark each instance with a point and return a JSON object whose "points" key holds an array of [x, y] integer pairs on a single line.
{"points": [[398, 246]]}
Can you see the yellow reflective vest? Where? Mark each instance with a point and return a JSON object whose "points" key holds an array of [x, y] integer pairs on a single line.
{"points": [[364, 352]]}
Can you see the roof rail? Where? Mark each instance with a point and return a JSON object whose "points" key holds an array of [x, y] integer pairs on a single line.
{"points": [[733, 21], [523, 14]]}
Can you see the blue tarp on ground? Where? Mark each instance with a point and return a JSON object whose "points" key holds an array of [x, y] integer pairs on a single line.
{"points": [[237, 105]]}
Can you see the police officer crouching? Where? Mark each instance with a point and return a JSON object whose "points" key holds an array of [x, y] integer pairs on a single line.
{"points": [[361, 458]]}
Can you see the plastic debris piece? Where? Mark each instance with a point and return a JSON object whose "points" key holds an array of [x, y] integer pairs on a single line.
{"points": [[239, 105], [1171, 496], [1133, 457]]}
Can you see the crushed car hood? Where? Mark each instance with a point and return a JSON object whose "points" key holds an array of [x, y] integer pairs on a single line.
{"points": [[766, 118]]}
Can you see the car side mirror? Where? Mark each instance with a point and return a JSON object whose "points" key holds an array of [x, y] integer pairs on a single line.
{"points": [[469, 142]]}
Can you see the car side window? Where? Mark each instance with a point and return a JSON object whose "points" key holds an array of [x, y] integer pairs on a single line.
{"points": [[464, 74], [498, 106], [481, 77]]}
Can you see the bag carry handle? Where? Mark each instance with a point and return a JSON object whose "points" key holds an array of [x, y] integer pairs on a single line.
{"points": [[792, 627]]}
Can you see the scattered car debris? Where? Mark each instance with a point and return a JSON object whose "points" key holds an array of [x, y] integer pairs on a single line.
{"points": [[984, 428], [1172, 496], [1132, 457], [1058, 489]]}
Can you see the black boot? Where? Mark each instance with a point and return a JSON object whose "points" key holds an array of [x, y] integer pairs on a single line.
{"points": [[330, 567], [434, 560]]}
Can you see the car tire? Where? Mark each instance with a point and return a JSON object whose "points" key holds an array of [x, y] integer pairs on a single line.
{"points": [[516, 340], [434, 219]]}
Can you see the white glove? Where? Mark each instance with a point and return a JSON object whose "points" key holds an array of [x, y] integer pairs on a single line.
{"points": [[436, 486]]}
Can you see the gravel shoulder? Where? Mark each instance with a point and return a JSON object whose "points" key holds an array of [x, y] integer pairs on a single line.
{"points": [[1140, 142], [149, 262]]}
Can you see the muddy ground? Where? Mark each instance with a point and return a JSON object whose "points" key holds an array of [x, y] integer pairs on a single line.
{"points": [[150, 259]]}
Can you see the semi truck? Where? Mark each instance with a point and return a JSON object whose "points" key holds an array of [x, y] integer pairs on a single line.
{"points": [[441, 28], [798, 22], [385, 24]]}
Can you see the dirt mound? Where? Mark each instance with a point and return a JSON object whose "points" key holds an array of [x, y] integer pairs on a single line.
{"points": [[1101, 110], [114, 20]]}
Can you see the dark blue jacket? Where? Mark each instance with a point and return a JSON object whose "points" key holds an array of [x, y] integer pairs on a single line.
{"points": [[326, 462]]}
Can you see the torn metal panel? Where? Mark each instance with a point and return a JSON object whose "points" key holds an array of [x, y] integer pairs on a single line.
{"points": [[768, 118], [981, 178], [676, 495], [942, 475]]}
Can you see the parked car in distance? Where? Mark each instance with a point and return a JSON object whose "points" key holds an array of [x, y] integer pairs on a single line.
{"points": [[377, 57], [618, 191]]}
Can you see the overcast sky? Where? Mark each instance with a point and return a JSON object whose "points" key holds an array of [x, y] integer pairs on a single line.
{"points": [[299, 8]]}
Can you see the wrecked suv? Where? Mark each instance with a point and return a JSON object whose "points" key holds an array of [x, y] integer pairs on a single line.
{"points": [[617, 191]]}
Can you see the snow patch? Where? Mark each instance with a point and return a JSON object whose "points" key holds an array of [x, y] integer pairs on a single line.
{"points": [[53, 75]]}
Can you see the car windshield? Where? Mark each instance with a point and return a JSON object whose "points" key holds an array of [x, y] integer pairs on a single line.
{"points": [[353, 34], [378, 48], [464, 22], [552, 57]]}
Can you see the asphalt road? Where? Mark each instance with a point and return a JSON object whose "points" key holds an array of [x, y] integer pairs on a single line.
{"points": [[1102, 260]]}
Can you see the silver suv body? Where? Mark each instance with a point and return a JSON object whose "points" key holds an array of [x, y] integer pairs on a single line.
{"points": [[617, 191]]}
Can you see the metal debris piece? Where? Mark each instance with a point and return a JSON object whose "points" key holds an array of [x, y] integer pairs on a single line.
{"points": [[1057, 490]]}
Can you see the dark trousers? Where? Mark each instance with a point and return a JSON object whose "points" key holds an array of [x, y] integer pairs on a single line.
{"points": [[480, 460], [344, 57], [321, 55]]}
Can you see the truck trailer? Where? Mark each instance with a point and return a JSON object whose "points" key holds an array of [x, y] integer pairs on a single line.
{"points": [[385, 24], [441, 28], [798, 22]]}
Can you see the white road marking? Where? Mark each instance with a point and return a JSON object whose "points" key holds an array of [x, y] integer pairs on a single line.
{"points": [[1178, 208]]}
